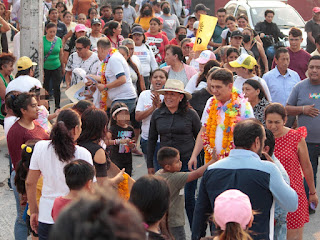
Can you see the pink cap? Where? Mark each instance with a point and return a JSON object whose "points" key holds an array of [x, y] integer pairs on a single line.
{"points": [[232, 206], [80, 28], [316, 9], [206, 56], [161, 19]]}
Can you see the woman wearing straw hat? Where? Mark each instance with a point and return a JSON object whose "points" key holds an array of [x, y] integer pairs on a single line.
{"points": [[178, 126]]}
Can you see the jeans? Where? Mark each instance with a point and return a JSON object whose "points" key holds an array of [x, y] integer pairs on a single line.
{"points": [[44, 230], [144, 149], [20, 226], [314, 152], [54, 76], [189, 194], [178, 233], [147, 82], [280, 228], [131, 103]]}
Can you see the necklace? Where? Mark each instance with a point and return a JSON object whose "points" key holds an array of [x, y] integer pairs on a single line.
{"points": [[104, 93], [232, 115]]}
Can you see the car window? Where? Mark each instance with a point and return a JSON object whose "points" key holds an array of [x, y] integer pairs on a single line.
{"points": [[241, 11], [284, 17], [231, 8]]}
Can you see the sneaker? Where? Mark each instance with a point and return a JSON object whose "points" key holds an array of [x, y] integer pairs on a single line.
{"points": [[9, 185]]}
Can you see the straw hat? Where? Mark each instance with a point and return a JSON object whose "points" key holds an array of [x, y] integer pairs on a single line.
{"points": [[174, 85]]}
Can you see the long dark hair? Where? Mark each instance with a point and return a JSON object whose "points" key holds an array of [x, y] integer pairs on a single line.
{"points": [[203, 76], [23, 167], [257, 85], [94, 122], [184, 105], [21, 100], [109, 29], [142, 9], [61, 138]]}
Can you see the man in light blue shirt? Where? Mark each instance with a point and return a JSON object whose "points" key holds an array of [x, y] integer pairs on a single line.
{"points": [[281, 79]]}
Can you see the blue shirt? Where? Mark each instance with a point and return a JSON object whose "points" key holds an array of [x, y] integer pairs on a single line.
{"points": [[260, 180], [280, 86]]}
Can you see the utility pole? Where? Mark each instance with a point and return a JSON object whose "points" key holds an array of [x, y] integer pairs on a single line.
{"points": [[31, 33]]}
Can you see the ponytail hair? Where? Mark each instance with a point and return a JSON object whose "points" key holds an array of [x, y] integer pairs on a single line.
{"points": [[234, 232], [61, 137]]}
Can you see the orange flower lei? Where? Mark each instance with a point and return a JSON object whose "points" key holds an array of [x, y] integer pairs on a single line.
{"points": [[104, 93], [123, 187], [232, 116]]}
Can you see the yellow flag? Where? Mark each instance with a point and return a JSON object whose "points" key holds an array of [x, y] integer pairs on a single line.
{"points": [[206, 28]]}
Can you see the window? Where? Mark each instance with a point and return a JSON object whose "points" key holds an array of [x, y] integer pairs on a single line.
{"points": [[241, 11], [231, 8]]}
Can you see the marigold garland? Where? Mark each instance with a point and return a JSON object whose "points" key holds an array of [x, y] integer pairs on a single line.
{"points": [[123, 187], [104, 93], [232, 116]]}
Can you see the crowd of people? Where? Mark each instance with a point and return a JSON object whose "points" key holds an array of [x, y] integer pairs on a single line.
{"points": [[242, 115]]}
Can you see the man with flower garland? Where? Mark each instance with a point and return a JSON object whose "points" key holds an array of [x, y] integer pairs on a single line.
{"points": [[221, 113], [115, 82]]}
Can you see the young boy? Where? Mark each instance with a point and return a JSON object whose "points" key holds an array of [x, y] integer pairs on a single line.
{"points": [[79, 176], [169, 160]]}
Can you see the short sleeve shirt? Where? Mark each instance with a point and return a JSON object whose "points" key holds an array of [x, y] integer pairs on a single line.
{"points": [[53, 60], [176, 182], [314, 28]]}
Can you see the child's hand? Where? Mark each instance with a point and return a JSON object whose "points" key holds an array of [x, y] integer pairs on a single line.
{"points": [[131, 144], [118, 178], [214, 156]]}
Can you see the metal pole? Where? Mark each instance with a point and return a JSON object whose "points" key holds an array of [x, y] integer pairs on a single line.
{"points": [[31, 35]]}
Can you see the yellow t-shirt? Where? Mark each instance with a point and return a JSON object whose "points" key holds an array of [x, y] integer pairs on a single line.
{"points": [[144, 22], [39, 191]]}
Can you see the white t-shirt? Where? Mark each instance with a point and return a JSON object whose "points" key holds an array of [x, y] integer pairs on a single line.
{"points": [[147, 59], [239, 81], [8, 122], [133, 74], [144, 103], [225, 32], [219, 131], [23, 83], [45, 159], [191, 85], [94, 41], [194, 64], [91, 66], [118, 65]]}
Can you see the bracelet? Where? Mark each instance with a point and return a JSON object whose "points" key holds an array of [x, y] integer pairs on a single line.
{"points": [[313, 193], [302, 109], [116, 141], [105, 88]]}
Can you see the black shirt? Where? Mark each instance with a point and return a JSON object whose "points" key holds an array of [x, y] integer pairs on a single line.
{"points": [[314, 28], [125, 29], [121, 153], [270, 29], [178, 130], [199, 100]]}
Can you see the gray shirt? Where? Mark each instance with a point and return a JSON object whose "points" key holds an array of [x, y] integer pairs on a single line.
{"points": [[170, 23], [182, 76], [129, 14], [304, 93]]}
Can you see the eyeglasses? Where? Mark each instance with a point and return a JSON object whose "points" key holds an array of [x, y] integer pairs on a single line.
{"points": [[79, 48]]}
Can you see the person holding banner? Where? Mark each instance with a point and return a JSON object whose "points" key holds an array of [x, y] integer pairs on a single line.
{"points": [[221, 113]]}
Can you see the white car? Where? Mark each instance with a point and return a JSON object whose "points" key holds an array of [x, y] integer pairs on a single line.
{"points": [[285, 15]]}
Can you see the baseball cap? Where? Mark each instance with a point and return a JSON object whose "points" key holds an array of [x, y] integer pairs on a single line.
{"points": [[137, 29], [201, 7], [244, 60], [80, 28], [232, 206], [161, 19], [206, 56], [196, 25], [236, 33], [24, 63], [95, 21], [316, 9], [192, 16]]}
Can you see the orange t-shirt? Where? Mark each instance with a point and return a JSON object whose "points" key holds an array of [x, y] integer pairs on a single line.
{"points": [[81, 6]]}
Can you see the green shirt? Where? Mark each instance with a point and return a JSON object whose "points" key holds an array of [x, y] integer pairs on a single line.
{"points": [[2, 100], [53, 61]]}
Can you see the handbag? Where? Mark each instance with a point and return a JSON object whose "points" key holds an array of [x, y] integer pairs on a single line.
{"points": [[51, 49]]}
